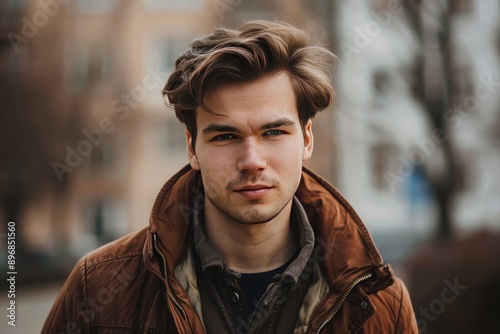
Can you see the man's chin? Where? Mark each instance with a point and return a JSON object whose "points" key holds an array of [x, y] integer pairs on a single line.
{"points": [[249, 212], [255, 218]]}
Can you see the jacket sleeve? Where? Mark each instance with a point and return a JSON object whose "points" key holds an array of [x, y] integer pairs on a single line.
{"points": [[394, 311], [71, 311], [407, 322]]}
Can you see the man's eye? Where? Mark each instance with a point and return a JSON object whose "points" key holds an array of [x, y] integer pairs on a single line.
{"points": [[273, 133], [223, 137]]}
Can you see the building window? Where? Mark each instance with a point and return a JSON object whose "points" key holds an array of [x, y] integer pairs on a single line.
{"points": [[382, 157], [89, 67], [460, 6], [104, 220], [173, 137], [108, 160], [167, 51], [382, 85], [104, 155]]}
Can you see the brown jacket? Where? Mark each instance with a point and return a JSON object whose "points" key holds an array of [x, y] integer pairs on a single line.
{"points": [[146, 282]]}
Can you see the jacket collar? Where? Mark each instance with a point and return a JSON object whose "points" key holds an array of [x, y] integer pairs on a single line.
{"points": [[346, 248], [343, 244]]}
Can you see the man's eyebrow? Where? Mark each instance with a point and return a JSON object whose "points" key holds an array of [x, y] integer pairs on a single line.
{"points": [[228, 128], [278, 123], [219, 128]]}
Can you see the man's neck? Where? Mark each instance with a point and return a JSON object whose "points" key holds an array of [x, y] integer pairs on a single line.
{"points": [[251, 248]]}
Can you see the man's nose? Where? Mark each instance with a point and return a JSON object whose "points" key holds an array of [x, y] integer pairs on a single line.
{"points": [[251, 157]]}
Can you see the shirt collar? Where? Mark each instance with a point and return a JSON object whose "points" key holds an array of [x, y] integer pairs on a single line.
{"points": [[211, 259]]}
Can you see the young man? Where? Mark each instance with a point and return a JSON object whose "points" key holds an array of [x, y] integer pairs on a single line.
{"points": [[244, 239]]}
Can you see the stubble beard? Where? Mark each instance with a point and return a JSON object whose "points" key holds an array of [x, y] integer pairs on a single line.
{"points": [[251, 216]]}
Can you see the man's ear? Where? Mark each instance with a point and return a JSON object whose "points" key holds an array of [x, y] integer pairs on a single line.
{"points": [[193, 160], [308, 141]]}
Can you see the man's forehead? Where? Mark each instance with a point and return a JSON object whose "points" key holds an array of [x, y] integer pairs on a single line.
{"points": [[276, 87]]}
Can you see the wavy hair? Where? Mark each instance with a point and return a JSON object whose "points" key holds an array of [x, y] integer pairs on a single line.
{"points": [[257, 49]]}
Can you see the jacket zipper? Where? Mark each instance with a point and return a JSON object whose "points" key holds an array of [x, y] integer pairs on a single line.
{"points": [[342, 300], [169, 294]]}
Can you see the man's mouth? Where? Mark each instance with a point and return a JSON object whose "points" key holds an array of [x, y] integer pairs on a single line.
{"points": [[253, 191]]}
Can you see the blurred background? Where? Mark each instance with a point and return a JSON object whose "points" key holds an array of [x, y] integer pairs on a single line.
{"points": [[413, 140]]}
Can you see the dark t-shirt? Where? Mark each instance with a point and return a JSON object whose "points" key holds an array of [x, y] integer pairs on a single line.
{"points": [[254, 285]]}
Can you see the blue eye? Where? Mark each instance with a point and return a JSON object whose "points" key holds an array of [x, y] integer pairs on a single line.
{"points": [[273, 133], [223, 137]]}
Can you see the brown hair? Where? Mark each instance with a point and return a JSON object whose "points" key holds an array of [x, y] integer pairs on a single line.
{"points": [[257, 49]]}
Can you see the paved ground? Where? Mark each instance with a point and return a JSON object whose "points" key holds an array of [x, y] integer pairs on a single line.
{"points": [[32, 306]]}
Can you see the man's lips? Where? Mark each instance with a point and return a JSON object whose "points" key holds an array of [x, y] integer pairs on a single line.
{"points": [[251, 187], [254, 190]]}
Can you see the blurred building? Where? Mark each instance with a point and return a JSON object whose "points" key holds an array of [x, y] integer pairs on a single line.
{"points": [[378, 123], [461, 41], [418, 120], [475, 30], [119, 54], [111, 142], [392, 150]]}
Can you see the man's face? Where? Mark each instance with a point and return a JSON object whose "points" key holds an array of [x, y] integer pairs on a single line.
{"points": [[251, 154]]}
